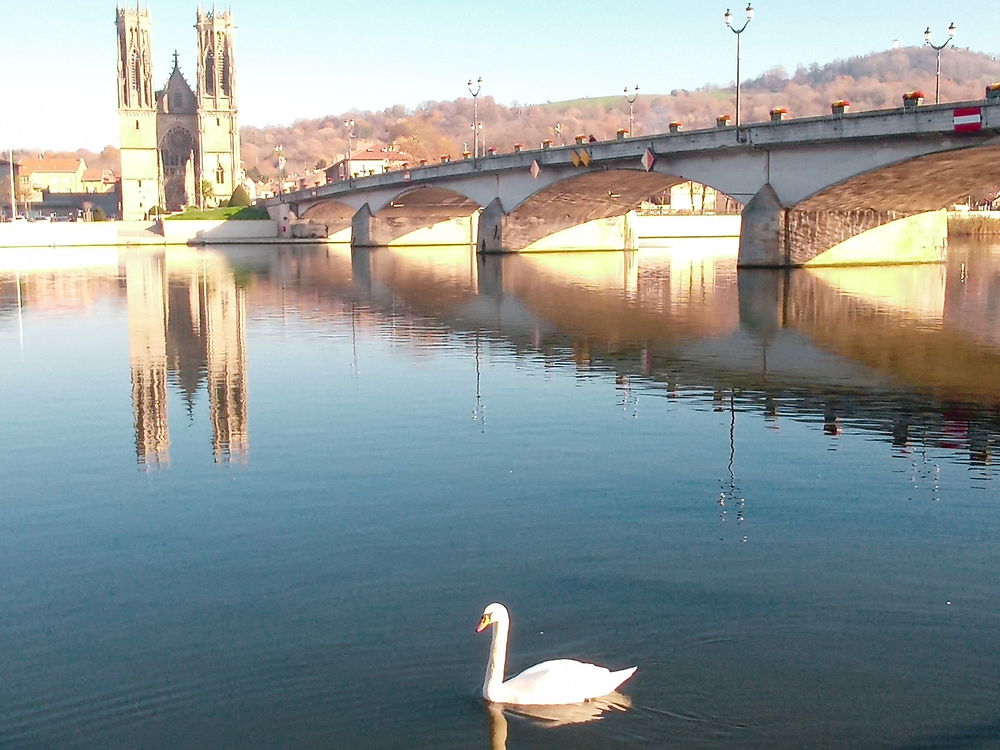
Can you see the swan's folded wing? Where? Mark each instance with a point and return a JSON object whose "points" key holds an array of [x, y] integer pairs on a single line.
{"points": [[560, 681]]}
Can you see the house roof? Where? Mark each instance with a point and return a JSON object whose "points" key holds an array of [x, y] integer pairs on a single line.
{"points": [[40, 164], [96, 174]]}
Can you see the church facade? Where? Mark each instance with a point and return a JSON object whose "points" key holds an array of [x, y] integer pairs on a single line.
{"points": [[175, 140]]}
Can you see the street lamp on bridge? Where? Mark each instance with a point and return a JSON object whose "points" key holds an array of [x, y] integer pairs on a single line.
{"points": [[937, 48], [630, 98], [349, 124], [728, 18], [475, 114]]}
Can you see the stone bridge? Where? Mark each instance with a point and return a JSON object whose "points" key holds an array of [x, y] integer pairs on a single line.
{"points": [[808, 185]]}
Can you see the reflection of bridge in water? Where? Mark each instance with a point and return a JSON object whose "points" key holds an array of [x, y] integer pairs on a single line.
{"points": [[910, 353], [910, 359]]}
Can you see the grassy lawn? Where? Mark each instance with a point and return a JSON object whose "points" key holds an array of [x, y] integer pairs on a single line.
{"points": [[238, 213]]}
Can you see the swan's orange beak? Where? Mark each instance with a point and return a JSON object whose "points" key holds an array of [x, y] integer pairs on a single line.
{"points": [[484, 623]]}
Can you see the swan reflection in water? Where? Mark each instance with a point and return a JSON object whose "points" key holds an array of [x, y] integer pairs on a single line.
{"points": [[551, 716]]}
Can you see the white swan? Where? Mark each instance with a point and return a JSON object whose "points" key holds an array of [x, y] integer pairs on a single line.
{"points": [[554, 682]]}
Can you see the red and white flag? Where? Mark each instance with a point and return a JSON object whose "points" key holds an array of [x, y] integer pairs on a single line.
{"points": [[967, 119]]}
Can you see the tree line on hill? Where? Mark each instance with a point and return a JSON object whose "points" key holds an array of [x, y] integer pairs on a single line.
{"points": [[438, 128]]}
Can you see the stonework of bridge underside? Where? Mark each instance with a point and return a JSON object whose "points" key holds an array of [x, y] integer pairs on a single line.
{"points": [[334, 214]]}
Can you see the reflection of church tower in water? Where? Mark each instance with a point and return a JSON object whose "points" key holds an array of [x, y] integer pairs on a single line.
{"points": [[225, 320], [146, 290], [192, 328], [177, 139]]}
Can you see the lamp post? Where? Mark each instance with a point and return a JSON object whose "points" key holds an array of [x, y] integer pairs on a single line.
{"points": [[728, 18], [13, 194], [475, 114], [937, 48], [630, 98], [349, 124]]}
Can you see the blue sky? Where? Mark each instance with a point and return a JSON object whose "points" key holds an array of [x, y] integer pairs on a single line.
{"points": [[307, 58]]}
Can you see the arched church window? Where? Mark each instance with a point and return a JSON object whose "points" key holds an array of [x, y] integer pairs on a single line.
{"points": [[226, 70], [147, 84], [133, 76], [210, 73], [220, 174]]}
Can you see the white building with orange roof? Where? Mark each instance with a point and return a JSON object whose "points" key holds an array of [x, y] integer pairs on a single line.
{"points": [[55, 174]]}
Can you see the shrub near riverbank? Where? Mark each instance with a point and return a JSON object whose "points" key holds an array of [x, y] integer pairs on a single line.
{"points": [[233, 213]]}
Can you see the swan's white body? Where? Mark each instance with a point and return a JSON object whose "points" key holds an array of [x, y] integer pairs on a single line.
{"points": [[554, 682]]}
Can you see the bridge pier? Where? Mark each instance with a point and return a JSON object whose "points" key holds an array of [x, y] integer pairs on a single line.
{"points": [[362, 228], [492, 219], [762, 231]]}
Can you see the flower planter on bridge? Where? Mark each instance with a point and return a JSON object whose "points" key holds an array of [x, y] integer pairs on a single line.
{"points": [[912, 100], [778, 114], [547, 143], [993, 91], [518, 147], [622, 133], [840, 107], [581, 138], [723, 121], [675, 126]]}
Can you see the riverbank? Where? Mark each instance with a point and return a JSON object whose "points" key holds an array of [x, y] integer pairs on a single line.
{"points": [[125, 233]]}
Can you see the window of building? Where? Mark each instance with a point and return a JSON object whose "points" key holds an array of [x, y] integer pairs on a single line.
{"points": [[220, 175]]}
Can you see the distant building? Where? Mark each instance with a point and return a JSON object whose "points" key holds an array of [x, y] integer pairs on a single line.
{"points": [[176, 139], [97, 180], [375, 160], [54, 175]]}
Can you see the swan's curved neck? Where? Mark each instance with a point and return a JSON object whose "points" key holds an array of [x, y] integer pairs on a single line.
{"points": [[498, 658]]}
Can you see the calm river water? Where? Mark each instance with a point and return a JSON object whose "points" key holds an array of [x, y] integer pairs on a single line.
{"points": [[259, 497]]}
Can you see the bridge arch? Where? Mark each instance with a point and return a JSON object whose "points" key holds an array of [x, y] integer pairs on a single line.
{"points": [[575, 200], [335, 214], [422, 209], [885, 194]]}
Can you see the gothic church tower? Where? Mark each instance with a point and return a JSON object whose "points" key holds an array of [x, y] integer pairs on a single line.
{"points": [[175, 139], [136, 114], [218, 130]]}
